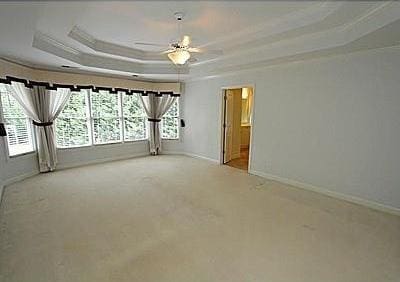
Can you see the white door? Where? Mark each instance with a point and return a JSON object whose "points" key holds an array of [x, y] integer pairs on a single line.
{"points": [[228, 125]]}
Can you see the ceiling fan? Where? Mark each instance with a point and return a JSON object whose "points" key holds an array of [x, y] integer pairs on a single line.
{"points": [[179, 52]]}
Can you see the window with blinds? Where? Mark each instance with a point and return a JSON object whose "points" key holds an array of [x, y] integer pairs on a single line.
{"points": [[106, 117], [170, 122], [73, 123], [17, 124], [135, 120]]}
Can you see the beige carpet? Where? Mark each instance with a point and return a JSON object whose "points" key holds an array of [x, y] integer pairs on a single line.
{"points": [[174, 218]]}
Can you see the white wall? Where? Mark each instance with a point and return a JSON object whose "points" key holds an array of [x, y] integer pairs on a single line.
{"points": [[333, 123]]}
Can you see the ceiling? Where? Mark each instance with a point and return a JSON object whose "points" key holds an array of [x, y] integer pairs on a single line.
{"points": [[99, 36]]}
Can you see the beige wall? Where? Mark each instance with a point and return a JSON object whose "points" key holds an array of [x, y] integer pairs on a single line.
{"points": [[7, 68], [11, 69], [245, 136], [236, 124]]}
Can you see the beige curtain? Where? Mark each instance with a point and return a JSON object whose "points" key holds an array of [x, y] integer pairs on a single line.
{"points": [[156, 106], [42, 106]]}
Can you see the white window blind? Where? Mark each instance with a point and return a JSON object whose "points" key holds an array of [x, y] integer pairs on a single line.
{"points": [[106, 117], [135, 119], [73, 123], [17, 124], [170, 122]]}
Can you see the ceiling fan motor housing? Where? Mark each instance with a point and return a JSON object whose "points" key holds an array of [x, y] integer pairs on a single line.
{"points": [[179, 16]]}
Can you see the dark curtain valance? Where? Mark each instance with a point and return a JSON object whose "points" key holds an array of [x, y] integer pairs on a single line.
{"points": [[54, 86]]}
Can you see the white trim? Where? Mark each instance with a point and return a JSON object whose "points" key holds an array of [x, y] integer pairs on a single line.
{"points": [[348, 198], [171, 153], [252, 121], [102, 160], [18, 178], [201, 157]]}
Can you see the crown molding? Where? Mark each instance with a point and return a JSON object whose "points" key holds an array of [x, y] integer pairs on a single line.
{"points": [[101, 46], [338, 39], [50, 45], [305, 22], [304, 17], [284, 61]]}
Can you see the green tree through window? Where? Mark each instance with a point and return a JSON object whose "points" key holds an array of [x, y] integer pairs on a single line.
{"points": [[73, 123], [170, 122], [106, 115], [135, 120]]}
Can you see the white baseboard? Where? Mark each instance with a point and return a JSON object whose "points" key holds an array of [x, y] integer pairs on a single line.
{"points": [[200, 157], [19, 178], [171, 153], [348, 198], [103, 160]]}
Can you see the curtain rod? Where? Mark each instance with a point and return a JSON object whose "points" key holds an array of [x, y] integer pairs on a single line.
{"points": [[54, 86]]}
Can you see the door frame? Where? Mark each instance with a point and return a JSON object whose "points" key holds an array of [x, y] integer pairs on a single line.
{"points": [[222, 120]]}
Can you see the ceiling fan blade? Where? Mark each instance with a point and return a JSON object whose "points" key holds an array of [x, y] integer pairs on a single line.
{"points": [[195, 50], [185, 41], [150, 44], [202, 50], [167, 51]]}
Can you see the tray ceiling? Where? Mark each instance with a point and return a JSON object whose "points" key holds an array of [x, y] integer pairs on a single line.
{"points": [[99, 37]]}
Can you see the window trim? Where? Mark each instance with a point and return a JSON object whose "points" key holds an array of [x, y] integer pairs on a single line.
{"points": [[7, 148], [118, 117], [179, 118], [90, 118], [146, 133], [88, 122]]}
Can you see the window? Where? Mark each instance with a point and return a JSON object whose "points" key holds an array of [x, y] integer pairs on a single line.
{"points": [[106, 117], [73, 123], [134, 118], [18, 125], [170, 122]]}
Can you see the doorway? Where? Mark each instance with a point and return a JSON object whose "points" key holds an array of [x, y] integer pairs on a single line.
{"points": [[236, 126]]}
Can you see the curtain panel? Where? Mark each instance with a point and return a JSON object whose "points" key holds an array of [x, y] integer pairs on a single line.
{"points": [[3, 131], [42, 106], [156, 106]]}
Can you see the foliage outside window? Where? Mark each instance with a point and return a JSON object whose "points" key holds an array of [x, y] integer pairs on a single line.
{"points": [[106, 117], [135, 120], [73, 123], [17, 124], [100, 118], [170, 123]]}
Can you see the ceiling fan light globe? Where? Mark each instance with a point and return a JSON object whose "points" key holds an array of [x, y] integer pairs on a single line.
{"points": [[179, 57]]}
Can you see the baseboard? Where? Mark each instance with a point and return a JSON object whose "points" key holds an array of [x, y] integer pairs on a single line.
{"points": [[103, 160], [172, 153], [19, 178], [340, 196], [200, 157]]}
